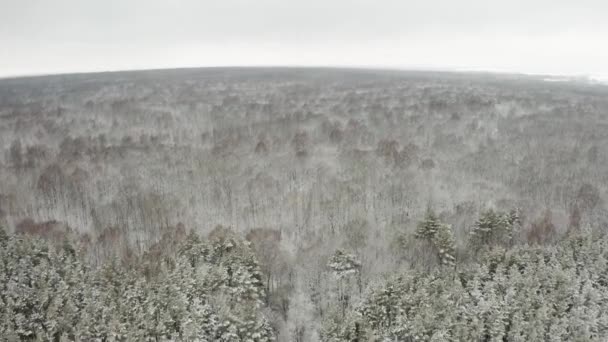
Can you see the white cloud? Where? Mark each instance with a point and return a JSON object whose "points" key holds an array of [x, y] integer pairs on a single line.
{"points": [[555, 37]]}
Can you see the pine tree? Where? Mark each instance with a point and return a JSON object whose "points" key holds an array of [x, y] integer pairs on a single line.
{"points": [[3, 237], [526, 293], [514, 225], [484, 229], [428, 227], [444, 243], [439, 236], [494, 228]]}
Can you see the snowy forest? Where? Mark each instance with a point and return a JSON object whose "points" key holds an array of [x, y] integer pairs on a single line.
{"points": [[303, 204]]}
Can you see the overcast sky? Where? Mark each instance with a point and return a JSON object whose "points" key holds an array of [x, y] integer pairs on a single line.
{"points": [[568, 37]]}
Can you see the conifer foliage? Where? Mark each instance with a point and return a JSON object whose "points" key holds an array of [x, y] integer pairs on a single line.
{"points": [[495, 228], [439, 235], [549, 293], [210, 290]]}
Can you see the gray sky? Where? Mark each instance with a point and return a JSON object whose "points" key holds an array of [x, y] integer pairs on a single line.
{"points": [[532, 36]]}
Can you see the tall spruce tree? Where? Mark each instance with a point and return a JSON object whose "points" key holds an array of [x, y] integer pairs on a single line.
{"points": [[495, 228], [439, 235]]}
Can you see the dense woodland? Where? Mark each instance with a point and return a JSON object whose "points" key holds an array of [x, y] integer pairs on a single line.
{"points": [[303, 205]]}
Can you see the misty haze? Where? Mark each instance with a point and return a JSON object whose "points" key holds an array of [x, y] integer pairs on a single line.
{"points": [[436, 176]]}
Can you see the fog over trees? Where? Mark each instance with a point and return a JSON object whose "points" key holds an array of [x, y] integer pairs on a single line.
{"points": [[303, 204]]}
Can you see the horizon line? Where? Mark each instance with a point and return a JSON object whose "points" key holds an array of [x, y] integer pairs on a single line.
{"points": [[571, 77]]}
